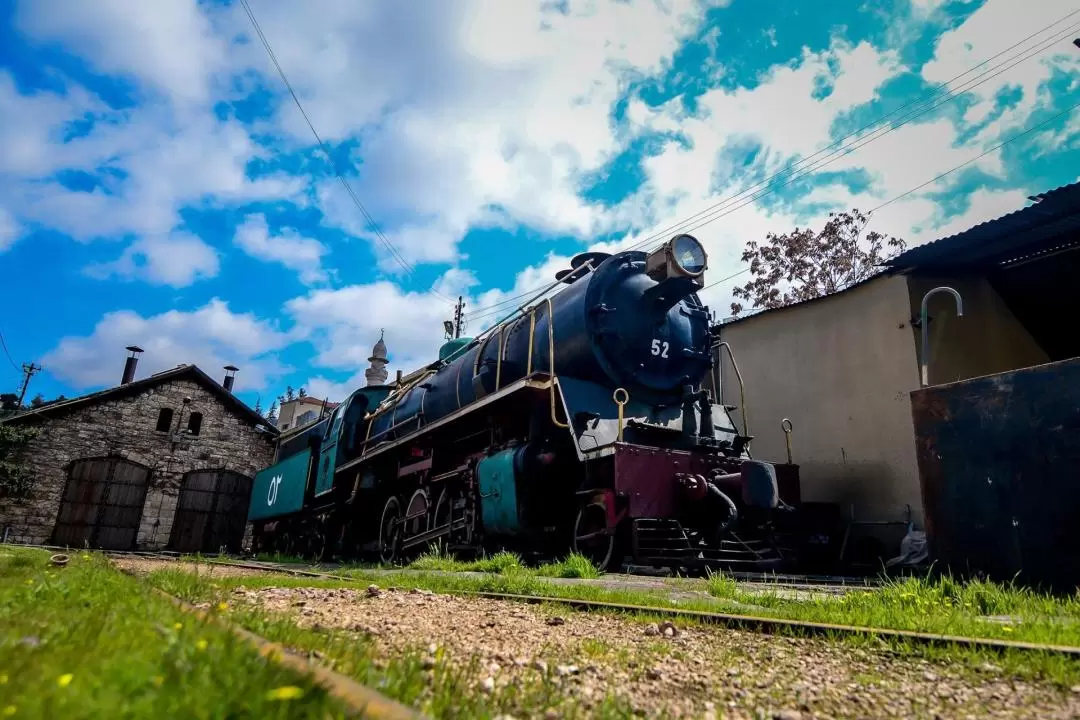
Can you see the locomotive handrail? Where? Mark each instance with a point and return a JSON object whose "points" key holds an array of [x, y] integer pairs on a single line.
{"points": [[498, 362], [742, 387], [551, 361], [386, 405], [621, 404]]}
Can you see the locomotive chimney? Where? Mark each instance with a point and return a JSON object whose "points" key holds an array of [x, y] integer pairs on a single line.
{"points": [[129, 365], [230, 377]]}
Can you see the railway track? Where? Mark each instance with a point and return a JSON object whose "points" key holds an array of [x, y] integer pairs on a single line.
{"points": [[362, 701], [808, 583], [767, 625]]}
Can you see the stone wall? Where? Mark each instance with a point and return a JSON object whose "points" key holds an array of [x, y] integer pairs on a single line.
{"points": [[125, 427]]}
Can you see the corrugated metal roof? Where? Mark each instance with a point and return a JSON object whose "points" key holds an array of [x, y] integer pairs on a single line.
{"points": [[1047, 225]]}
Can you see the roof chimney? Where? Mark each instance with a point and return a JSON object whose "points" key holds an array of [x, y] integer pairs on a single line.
{"points": [[132, 361], [230, 376]]}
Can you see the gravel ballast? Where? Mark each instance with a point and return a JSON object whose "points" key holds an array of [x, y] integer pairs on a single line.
{"points": [[668, 668]]}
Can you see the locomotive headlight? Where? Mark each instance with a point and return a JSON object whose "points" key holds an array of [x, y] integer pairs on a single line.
{"points": [[681, 257], [688, 254]]}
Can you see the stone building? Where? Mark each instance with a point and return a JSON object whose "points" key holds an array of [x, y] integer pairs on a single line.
{"points": [[165, 462]]}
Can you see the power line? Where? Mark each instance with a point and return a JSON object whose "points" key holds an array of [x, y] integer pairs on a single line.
{"points": [[1030, 130], [8, 354], [714, 211], [841, 152], [902, 195], [337, 171]]}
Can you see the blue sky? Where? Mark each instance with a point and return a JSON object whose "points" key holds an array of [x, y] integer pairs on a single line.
{"points": [[158, 186]]}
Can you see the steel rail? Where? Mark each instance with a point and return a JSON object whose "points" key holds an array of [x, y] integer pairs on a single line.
{"points": [[767, 625], [361, 700], [788, 581], [753, 623], [764, 625]]}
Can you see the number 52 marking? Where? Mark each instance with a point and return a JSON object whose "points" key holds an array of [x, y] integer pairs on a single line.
{"points": [[660, 347]]}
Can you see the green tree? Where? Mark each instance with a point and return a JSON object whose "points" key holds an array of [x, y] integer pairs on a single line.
{"points": [[810, 264], [15, 480]]}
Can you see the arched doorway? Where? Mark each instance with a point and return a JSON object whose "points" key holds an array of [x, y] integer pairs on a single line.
{"points": [[211, 511], [102, 505]]}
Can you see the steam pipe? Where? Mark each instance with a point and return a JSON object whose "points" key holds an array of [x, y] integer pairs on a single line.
{"points": [[925, 334]]}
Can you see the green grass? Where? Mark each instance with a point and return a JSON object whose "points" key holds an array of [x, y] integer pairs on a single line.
{"points": [[943, 605], [447, 689], [85, 641], [574, 566], [940, 606]]}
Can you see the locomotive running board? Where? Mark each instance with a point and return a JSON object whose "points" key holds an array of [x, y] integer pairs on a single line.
{"points": [[523, 384]]}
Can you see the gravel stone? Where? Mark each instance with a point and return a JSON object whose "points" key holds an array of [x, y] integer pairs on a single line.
{"points": [[704, 672]]}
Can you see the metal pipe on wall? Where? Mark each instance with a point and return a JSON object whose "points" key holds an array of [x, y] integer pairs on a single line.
{"points": [[925, 359]]}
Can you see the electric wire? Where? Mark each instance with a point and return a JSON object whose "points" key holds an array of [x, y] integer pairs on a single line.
{"points": [[326, 151], [8, 355], [713, 211], [906, 193], [922, 108]]}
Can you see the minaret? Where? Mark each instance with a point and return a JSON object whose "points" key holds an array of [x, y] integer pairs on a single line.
{"points": [[376, 374]]}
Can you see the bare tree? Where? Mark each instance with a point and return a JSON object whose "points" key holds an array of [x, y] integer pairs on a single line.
{"points": [[812, 264]]}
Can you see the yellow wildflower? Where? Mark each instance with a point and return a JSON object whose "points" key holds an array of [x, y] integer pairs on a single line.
{"points": [[64, 680], [3, 678], [201, 644], [157, 680], [177, 626], [223, 606], [1008, 628], [287, 692], [9, 711]]}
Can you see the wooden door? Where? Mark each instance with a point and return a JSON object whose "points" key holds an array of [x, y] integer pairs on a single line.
{"points": [[102, 504], [211, 512]]}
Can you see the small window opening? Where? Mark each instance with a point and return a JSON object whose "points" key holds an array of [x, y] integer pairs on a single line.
{"points": [[164, 420], [194, 423]]}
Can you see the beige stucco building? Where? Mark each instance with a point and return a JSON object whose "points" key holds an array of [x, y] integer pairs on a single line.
{"points": [[842, 368]]}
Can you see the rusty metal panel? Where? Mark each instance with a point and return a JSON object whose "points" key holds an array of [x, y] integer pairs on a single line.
{"points": [[999, 467]]}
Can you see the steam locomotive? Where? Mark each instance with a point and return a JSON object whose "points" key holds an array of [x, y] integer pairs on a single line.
{"points": [[584, 422]]}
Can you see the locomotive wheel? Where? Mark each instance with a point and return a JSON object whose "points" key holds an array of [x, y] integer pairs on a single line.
{"points": [[590, 536], [442, 513], [390, 530], [416, 514]]}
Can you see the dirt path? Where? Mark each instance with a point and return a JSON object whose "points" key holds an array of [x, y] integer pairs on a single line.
{"points": [[691, 672]]}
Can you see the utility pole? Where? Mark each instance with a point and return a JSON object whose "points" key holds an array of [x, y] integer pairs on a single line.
{"points": [[28, 372], [457, 316]]}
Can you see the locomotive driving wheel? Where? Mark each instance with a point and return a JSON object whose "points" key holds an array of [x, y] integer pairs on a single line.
{"points": [[390, 528], [592, 536]]}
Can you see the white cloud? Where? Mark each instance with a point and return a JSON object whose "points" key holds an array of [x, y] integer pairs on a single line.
{"points": [[10, 230], [288, 247], [177, 260], [149, 164], [169, 45], [346, 322], [478, 105], [994, 27], [210, 337]]}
